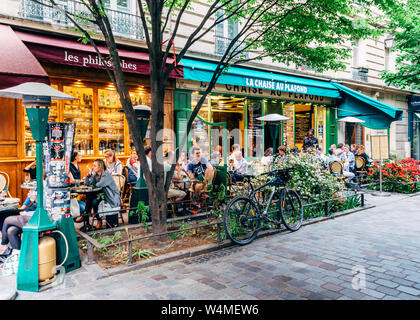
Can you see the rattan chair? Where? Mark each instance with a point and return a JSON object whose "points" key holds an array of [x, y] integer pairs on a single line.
{"points": [[360, 168], [336, 168], [5, 183]]}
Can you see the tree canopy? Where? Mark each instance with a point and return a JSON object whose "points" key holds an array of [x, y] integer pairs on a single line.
{"points": [[404, 26]]}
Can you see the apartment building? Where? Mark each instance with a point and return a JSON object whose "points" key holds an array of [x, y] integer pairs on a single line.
{"points": [[47, 43]]}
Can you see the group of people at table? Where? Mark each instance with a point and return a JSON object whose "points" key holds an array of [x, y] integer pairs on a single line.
{"points": [[192, 173]]}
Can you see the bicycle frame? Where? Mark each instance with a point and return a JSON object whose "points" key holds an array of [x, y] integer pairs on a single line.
{"points": [[276, 183]]}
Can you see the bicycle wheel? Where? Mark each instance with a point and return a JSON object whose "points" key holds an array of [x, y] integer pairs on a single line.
{"points": [[291, 210], [241, 220]]}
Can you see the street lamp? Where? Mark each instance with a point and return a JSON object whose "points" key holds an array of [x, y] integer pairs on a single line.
{"points": [[273, 120], [37, 96], [389, 41]]}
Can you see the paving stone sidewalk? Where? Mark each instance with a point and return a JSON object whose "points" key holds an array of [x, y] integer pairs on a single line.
{"points": [[371, 254]]}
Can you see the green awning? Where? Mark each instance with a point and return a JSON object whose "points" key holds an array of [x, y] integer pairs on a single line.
{"points": [[203, 71], [376, 114]]}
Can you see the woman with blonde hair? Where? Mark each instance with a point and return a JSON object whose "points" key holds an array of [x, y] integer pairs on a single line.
{"points": [[113, 164], [102, 178]]}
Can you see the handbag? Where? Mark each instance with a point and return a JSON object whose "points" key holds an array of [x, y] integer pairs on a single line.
{"points": [[74, 208]]}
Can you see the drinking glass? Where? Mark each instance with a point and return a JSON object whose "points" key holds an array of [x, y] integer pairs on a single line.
{"points": [[27, 179]]}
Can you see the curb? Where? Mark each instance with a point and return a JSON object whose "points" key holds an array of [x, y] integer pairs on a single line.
{"points": [[189, 253]]}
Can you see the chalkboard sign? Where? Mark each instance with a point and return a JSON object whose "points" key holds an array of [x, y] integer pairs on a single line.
{"points": [[302, 124], [255, 132]]}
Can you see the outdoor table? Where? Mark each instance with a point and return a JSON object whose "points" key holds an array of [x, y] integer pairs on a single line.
{"points": [[29, 185], [9, 203], [90, 192]]}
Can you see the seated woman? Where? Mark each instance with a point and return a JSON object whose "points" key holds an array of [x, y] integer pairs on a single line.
{"points": [[114, 165], [102, 178], [267, 159], [74, 174], [13, 226], [31, 169], [133, 165]]}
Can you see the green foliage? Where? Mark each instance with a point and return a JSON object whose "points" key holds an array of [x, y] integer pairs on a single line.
{"points": [[106, 240], [405, 28]]}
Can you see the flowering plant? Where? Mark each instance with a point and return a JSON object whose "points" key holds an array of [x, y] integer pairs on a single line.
{"points": [[310, 178], [397, 176]]}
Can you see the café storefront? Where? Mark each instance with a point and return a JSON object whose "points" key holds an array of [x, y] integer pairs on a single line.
{"points": [[243, 95], [75, 69]]}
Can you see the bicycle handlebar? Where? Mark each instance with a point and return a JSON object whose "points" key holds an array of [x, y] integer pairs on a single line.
{"points": [[277, 171]]}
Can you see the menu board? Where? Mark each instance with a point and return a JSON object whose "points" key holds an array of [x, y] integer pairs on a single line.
{"points": [[303, 124], [255, 128], [380, 148]]}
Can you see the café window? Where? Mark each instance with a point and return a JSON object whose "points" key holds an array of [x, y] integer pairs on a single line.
{"points": [[29, 142], [110, 122], [289, 125], [80, 112], [254, 133], [200, 132]]}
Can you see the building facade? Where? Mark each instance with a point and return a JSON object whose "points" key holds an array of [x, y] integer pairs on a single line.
{"points": [[307, 98]]}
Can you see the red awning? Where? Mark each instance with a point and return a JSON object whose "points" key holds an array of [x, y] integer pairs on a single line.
{"points": [[17, 63], [62, 51]]}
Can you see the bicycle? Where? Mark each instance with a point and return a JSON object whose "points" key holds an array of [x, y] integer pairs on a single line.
{"points": [[243, 215]]}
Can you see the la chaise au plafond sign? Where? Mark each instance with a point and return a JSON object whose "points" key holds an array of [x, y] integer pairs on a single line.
{"points": [[271, 89]]}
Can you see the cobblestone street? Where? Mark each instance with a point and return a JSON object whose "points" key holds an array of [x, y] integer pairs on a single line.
{"points": [[319, 261]]}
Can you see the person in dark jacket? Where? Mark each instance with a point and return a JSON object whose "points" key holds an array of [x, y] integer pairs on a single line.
{"points": [[101, 178], [74, 174], [310, 141], [31, 169]]}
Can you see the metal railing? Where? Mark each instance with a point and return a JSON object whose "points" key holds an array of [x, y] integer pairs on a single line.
{"points": [[123, 24], [222, 43]]}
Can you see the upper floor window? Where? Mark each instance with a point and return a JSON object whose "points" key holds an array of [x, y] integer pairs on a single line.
{"points": [[226, 31]]}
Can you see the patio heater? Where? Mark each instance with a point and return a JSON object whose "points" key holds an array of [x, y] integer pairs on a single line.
{"points": [[140, 191], [37, 96], [273, 120]]}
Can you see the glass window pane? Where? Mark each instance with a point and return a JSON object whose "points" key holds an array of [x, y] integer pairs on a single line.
{"points": [[111, 122], [52, 117], [200, 132], [122, 3], [288, 127], [255, 132], [80, 112]]}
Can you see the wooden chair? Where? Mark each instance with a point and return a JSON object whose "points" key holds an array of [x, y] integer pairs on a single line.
{"points": [[125, 194], [336, 169], [120, 182], [5, 183]]}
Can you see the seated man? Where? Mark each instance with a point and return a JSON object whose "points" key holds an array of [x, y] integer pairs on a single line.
{"points": [[332, 157], [348, 157], [173, 192], [197, 167], [240, 166]]}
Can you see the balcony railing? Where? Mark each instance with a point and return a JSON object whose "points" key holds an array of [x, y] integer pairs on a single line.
{"points": [[222, 43], [123, 24]]}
